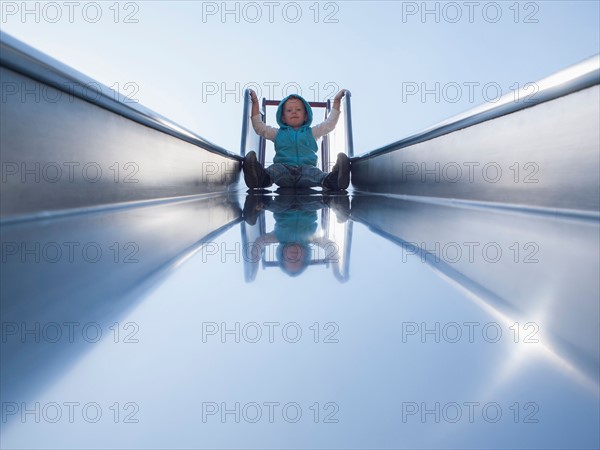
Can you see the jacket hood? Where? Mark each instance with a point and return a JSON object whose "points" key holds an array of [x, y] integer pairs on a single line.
{"points": [[309, 114]]}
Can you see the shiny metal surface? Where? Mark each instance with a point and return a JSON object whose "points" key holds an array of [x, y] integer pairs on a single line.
{"points": [[451, 239], [540, 152], [92, 268], [70, 154], [452, 327], [544, 157], [67, 144], [567, 81], [23, 59]]}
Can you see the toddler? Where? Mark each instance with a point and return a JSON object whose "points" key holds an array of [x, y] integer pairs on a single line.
{"points": [[295, 161]]}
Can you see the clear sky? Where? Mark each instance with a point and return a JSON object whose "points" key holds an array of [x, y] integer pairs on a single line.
{"points": [[407, 64]]}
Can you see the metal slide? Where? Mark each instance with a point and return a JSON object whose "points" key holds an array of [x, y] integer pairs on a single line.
{"points": [[71, 143], [451, 300]]}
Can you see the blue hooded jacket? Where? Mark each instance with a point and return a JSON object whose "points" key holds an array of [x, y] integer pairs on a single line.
{"points": [[295, 147]]}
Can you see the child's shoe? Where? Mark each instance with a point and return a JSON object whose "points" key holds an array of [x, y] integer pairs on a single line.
{"points": [[253, 206], [339, 177], [255, 175]]}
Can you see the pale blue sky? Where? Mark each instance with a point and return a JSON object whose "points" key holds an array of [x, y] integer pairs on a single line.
{"points": [[178, 54]]}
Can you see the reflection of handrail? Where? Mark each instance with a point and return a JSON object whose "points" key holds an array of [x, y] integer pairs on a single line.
{"points": [[575, 78], [27, 287], [408, 224], [23, 59]]}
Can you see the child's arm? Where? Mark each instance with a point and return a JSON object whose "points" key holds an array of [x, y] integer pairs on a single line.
{"points": [[329, 124], [259, 126], [265, 239], [337, 99]]}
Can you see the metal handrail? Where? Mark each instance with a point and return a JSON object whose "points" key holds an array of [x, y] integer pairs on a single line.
{"points": [[21, 58], [572, 79], [245, 114], [325, 144], [248, 130], [348, 118]]}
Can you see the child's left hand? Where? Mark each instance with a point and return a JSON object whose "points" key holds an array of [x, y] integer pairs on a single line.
{"points": [[339, 95]]}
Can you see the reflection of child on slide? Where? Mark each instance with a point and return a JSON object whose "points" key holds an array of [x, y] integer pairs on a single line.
{"points": [[295, 230], [295, 161]]}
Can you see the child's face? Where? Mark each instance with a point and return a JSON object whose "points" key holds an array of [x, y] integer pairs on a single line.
{"points": [[294, 114], [293, 258]]}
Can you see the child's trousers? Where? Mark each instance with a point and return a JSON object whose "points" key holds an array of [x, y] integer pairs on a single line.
{"points": [[295, 176]]}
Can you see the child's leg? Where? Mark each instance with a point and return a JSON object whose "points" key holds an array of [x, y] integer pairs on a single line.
{"points": [[310, 176], [282, 175]]}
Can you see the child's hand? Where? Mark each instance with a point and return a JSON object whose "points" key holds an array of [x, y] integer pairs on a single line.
{"points": [[254, 99], [337, 99], [339, 95], [253, 96]]}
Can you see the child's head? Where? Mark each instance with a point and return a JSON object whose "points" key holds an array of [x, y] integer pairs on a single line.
{"points": [[294, 113], [294, 257]]}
